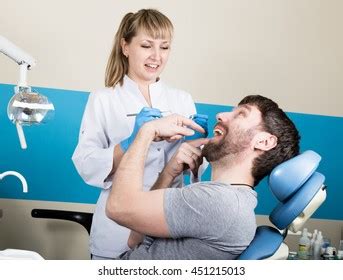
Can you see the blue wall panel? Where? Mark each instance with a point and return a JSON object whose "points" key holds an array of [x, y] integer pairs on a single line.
{"points": [[51, 176]]}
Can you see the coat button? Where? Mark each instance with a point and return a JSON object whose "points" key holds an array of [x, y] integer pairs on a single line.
{"points": [[158, 149]]}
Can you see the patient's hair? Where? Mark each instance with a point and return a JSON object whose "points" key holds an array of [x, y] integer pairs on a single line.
{"points": [[276, 122], [150, 21]]}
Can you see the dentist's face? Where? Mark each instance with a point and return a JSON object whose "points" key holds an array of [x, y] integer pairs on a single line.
{"points": [[147, 57]]}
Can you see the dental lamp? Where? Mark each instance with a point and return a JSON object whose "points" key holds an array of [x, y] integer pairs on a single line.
{"points": [[25, 107]]}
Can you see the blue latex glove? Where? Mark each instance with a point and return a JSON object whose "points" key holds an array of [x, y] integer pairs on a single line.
{"points": [[147, 114], [201, 120]]}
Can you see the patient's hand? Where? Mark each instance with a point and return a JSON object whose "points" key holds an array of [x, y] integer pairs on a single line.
{"points": [[188, 156], [171, 128], [135, 239]]}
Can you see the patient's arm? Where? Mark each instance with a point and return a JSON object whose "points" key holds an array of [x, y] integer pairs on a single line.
{"points": [[117, 156], [128, 204], [135, 238], [162, 182], [188, 156]]}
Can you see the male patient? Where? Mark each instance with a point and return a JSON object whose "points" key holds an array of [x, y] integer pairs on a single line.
{"points": [[206, 220]]}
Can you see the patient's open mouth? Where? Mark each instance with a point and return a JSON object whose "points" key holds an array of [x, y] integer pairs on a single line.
{"points": [[218, 132]]}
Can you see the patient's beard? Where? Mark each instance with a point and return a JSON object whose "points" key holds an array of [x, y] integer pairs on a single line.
{"points": [[234, 143]]}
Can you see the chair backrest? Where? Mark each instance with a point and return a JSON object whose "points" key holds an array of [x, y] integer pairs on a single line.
{"points": [[300, 191]]}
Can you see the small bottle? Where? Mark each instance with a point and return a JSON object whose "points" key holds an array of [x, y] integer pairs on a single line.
{"points": [[304, 246], [313, 239], [317, 246], [339, 255]]}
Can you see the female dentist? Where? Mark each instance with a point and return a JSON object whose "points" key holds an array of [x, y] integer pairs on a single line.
{"points": [[139, 55]]}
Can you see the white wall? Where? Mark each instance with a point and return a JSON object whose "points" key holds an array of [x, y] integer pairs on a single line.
{"points": [[288, 50]]}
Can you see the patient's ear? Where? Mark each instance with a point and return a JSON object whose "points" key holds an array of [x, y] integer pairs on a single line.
{"points": [[265, 141]]}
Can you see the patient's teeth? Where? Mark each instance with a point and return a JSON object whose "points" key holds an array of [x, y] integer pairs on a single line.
{"points": [[218, 132]]}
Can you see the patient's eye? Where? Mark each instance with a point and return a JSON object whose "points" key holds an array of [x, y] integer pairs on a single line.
{"points": [[240, 113]]}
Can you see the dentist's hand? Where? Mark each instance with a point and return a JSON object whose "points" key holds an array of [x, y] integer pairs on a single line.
{"points": [[145, 115], [188, 156], [201, 120]]}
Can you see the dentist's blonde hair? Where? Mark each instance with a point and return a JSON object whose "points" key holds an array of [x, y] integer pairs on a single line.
{"points": [[151, 21]]}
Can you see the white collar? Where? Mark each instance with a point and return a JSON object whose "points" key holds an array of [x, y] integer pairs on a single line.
{"points": [[132, 86]]}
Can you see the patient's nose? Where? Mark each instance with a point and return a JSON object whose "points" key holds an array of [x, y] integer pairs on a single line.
{"points": [[223, 117]]}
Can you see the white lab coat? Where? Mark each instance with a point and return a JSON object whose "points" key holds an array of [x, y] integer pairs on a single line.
{"points": [[105, 124]]}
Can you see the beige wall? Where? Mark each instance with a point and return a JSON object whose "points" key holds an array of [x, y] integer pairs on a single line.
{"points": [[52, 239], [289, 50]]}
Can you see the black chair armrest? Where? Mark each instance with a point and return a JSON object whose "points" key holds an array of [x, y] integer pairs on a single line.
{"points": [[82, 218]]}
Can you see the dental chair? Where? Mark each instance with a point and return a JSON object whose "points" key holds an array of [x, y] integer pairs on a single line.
{"points": [[300, 191], [295, 183]]}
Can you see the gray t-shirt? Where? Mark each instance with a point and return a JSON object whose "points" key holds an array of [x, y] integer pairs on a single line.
{"points": [[206, 220]]}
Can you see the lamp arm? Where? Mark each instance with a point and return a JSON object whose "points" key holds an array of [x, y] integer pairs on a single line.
{"points": [[25, 61], [15, 53]]}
